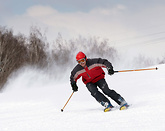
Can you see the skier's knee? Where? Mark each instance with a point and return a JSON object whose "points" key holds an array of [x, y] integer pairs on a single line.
{"points": [[94, 94], [107, 92]]}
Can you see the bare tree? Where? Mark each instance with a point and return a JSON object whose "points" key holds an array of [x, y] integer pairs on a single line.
{"points": [[12, 53]]}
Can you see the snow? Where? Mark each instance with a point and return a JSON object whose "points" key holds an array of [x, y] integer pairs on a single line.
{"points": [[32, 101]]}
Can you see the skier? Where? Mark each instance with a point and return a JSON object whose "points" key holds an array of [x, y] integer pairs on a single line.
{"points": [[93, 76]]}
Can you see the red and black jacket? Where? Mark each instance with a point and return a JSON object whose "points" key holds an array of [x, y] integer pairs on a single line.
{"points": [[92, 72]]}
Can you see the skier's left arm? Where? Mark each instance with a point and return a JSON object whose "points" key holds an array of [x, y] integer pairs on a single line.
{"points": [[106, 64]]}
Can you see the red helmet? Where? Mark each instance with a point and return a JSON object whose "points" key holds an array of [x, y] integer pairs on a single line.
{"points": [[80, 56]]}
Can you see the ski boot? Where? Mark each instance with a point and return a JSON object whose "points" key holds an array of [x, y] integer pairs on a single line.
{"points": [[123, 104], [108, 106], [123, 107]]}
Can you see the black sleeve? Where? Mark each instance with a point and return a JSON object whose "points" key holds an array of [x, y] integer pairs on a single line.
{"points": [[105, 62], [73, 79]]}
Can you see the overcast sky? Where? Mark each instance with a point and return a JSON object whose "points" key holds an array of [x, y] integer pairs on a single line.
{"points": [[126, 23]]}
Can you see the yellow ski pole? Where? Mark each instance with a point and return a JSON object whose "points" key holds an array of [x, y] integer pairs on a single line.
{"points": [[136, 70]]}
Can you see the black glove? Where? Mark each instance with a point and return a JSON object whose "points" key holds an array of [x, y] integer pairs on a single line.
{"points": [[110, 71], [74, 87]]}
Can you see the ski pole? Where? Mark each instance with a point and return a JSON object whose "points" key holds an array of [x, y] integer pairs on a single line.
{"points": [[136, 70], [67, 102]]}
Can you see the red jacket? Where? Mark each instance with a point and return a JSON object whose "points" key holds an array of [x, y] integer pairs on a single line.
{"points": [[92, 72]]}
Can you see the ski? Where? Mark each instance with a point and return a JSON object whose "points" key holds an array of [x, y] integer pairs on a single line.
{"points": [[117, 108]]}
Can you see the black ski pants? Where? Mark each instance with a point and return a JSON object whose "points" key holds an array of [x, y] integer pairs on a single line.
{"points": [[100, 97]]}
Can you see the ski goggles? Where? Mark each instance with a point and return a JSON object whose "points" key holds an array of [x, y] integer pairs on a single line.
{"points": [[81, 61]]}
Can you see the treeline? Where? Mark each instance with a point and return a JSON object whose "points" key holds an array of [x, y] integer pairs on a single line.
{"points": [[17, 51]]}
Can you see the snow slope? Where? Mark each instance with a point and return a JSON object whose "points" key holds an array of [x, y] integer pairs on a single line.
{"points": [[33, 100]]}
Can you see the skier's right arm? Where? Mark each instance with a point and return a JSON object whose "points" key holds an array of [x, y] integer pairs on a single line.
{"points": [[74, 86], [73, 80]]}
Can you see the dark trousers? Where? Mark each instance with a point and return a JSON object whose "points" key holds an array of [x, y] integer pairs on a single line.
{"points": [[100, 97]]}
